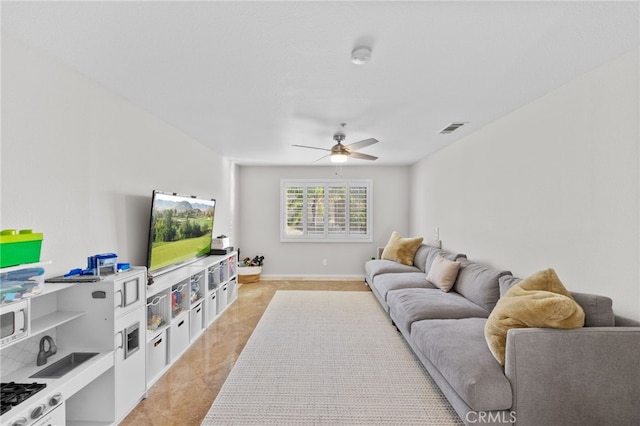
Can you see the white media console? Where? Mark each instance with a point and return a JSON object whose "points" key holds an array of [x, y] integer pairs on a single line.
{"points": [[182, 303]]}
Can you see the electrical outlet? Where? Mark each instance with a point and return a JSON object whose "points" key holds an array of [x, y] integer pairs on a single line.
{"points": [[324, 262]]}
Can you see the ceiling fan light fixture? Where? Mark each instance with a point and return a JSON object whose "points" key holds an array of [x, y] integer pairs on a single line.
{"points": [[339, 158], [340, 153], [360, 55]]}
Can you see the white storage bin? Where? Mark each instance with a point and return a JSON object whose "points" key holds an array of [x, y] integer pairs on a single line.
{"points": [[196, 284], [220, 243], [222, 297], [180, 298], [158, 316], [196, 321], [179, 337], [224, 271], [233, 264], [156, 355], [214, 276], [21, 281], [232, 291], [212, 307]]}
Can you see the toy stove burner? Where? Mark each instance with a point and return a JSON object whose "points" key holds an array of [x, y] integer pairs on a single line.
{"points": [[12, 394]]}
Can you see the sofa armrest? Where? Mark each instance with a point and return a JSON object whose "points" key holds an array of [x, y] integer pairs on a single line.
{"points": [[589, 375]]}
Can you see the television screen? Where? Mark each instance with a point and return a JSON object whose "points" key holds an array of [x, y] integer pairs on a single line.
{"points": [[180, 230]]}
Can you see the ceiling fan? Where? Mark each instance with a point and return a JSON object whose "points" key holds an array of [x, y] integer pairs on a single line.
{"points": [[340, 153]]}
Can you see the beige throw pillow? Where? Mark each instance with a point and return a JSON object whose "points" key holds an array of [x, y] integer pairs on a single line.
{"points": [[443, 273], [400, 249], [540, 300]]}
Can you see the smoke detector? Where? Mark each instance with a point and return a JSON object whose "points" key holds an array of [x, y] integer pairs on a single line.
{"points": [[360, 55]]}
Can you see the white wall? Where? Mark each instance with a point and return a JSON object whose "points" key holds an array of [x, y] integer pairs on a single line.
{"points": [[259, 220], [79, 163], [553, 184]]}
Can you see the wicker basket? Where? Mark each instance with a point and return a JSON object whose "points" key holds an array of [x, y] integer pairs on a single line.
{"points": [[249, 274]]}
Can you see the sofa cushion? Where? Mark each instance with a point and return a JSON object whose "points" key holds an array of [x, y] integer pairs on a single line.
{"points": [[377, 267], [538, 301], [401, 249], [598, 310], [479, 283], [434, 252], [415, 304], [420, 258], [506, 282], [387, 282], [456, 347], [443, 273]]}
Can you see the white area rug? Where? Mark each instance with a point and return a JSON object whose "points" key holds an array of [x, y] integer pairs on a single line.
{"points": [[328, 357]]}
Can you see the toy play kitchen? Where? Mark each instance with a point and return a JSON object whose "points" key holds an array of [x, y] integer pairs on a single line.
{"points": [[89, 340], [73, 351]]}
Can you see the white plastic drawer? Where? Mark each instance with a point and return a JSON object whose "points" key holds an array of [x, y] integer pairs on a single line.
{"points": [[179, 337], [156, 355], [222, 297], [212, 307], [196, 320], [232, 290]]}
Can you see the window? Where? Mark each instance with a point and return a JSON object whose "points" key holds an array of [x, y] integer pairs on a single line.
{"points": [[325, 210]]}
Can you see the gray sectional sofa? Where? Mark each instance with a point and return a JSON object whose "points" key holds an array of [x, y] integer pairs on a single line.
{"points": [[584, 376]]}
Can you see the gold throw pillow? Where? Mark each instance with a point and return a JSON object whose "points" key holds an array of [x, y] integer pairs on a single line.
{"points": [[540, 300], [400, 249]]}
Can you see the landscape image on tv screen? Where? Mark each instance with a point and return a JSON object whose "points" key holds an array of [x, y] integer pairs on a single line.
{"points": [[181, 229]]}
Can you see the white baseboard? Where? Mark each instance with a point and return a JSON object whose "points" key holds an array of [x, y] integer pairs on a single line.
{"points": [[312, 277]]}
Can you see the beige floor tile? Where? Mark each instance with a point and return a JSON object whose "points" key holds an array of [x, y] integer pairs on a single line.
{"points": [[183, 395]]}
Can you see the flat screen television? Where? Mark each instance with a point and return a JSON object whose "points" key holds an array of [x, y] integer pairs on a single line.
{"points": [[180, 230]]}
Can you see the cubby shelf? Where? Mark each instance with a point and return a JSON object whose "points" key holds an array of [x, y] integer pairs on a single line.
{"points": [[182, 303], [47, 322]]}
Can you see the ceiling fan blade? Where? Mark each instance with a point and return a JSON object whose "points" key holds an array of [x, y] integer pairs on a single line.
{"points": [[362, 156], [321, 158], [312, 147], [362, 143]]}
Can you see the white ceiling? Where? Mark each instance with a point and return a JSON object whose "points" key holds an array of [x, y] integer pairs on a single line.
{"points": [[249, 79]]}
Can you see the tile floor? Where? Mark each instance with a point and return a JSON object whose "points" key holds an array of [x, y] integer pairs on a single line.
{"points": [[183, 395]]}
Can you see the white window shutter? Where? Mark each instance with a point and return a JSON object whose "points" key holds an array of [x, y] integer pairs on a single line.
{"points": [[326, 210]]}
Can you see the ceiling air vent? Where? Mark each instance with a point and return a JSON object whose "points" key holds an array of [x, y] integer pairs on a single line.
{"points": [[451, 128]]}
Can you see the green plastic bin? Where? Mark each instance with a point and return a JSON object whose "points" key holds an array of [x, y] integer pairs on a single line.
{"points": [[17, 248]]}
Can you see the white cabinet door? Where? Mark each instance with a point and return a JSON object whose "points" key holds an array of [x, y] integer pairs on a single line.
{"points": [[130, 376]]}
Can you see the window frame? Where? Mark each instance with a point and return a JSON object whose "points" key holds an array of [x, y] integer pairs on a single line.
{"points": [[326, 237]]}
